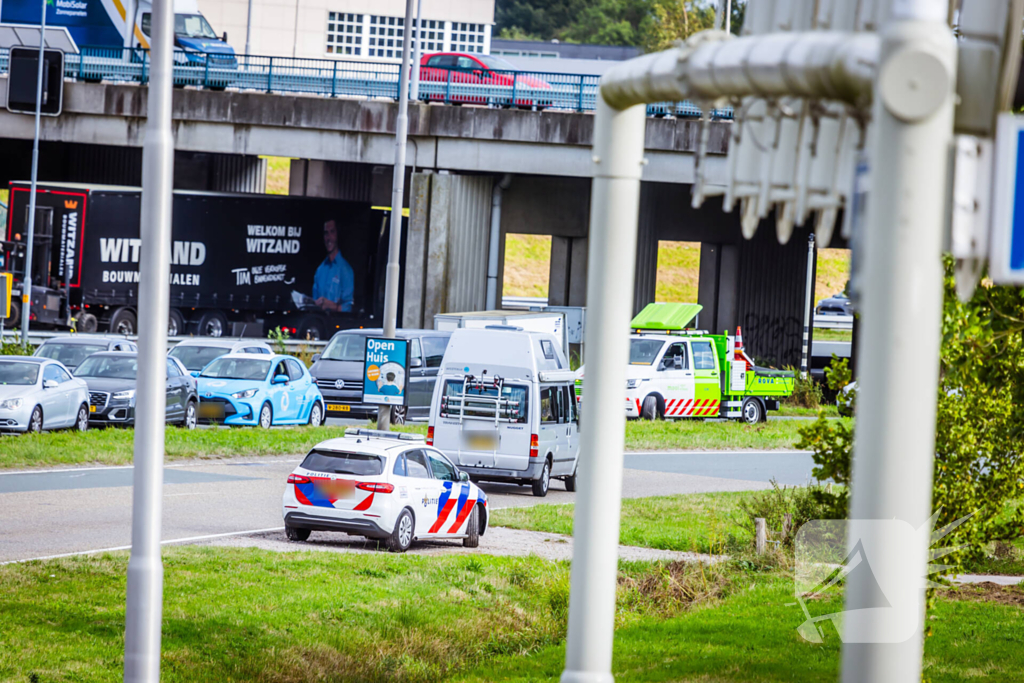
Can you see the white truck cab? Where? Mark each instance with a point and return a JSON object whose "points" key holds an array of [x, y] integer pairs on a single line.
{"points": [[503, 407]]}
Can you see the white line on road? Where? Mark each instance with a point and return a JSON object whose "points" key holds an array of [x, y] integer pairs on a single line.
{"points": [[128, 547], [96, 468]]}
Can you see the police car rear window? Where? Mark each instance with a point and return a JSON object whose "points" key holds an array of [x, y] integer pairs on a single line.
{"points": [[334, 462]]}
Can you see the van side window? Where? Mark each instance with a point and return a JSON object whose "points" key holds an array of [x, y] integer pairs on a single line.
{"points": [[415, 353], [433, 349], [548, 349], [569, 403], [703, 355], [669, 359], [550, 405]]}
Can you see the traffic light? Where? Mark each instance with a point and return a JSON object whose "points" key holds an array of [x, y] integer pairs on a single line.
{"points": [[21, 81]]}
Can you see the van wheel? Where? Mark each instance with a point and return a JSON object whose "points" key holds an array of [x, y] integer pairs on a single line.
{"points": [[398, 415], [540, 487], [401, 538], [752, 411], [472, 539], [570, 482], [649, 411]]}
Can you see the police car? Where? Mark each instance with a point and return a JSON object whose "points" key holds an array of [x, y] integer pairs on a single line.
{"points": [[383, 485]]}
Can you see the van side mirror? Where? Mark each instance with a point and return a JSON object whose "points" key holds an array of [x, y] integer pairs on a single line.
{"points": [[416, 363], [224, 37], [316, 357]]}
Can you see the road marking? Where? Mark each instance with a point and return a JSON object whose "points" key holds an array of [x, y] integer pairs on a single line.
{"points": [[128, 547], [751, 451], [96, 468]]}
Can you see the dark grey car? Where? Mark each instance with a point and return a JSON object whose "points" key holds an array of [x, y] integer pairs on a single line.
{"points": [[112, 377], [839, 304], [338, 372], [73, 349]]}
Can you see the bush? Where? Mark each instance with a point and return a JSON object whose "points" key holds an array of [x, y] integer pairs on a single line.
{"points": [[806, 391], [803, 502], [838, 376]]}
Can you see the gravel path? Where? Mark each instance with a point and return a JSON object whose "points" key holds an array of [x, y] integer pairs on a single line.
{"points": [[497, 541]]}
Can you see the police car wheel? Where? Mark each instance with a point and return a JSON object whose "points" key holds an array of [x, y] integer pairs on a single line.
{"points": [[296, 534], [472, 539], [401, 538], [540, 487], [752, 411], [266, 416], [649, 411]]}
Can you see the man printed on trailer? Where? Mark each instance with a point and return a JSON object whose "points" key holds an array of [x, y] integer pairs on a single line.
{"points": [[334, 282]]}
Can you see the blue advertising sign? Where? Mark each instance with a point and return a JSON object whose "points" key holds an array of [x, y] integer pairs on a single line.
{"points": [[385, 371], [1006, 248]]}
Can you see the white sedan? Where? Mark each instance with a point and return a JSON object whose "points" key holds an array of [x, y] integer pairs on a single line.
{"points": [[37, 393], [383, 485]]}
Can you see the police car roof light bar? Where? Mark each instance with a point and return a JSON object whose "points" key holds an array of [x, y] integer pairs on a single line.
{"points": [[381, 434]]}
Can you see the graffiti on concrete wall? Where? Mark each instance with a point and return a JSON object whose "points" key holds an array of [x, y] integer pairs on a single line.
{"points": [[777, 340]]}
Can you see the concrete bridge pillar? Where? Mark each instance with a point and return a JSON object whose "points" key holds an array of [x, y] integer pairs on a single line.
{"points": [[446, 246], [647, 248]]}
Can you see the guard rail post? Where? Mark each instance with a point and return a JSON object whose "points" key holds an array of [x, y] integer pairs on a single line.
{"points": [[579, 106], [81, 61], [448, 87], [334, 79], [270, 74], [515, 80], [206, 70]]}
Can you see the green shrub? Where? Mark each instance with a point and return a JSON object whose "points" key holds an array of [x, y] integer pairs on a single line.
{"points": [[806, 391], [773, 504]]}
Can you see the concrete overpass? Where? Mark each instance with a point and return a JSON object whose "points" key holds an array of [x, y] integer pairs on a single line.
{"points": [[343, 148]]}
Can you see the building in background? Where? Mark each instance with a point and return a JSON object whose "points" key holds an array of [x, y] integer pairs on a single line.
{"points": [[351, 29], [562, 58]]}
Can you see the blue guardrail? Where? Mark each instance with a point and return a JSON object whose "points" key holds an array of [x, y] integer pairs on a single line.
{"points": [[336, 78]]}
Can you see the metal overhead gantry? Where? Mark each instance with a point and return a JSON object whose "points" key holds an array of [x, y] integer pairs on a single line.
{"points": [[825, 92]]}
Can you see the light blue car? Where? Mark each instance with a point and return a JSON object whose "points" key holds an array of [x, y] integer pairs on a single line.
{"points": [[257, 389]]}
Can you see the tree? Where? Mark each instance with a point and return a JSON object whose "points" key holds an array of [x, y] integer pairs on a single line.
{"points": [[674, 20], [979, 440]]}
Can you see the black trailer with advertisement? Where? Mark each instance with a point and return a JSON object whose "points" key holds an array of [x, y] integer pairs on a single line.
{"points": [[241, 264]]}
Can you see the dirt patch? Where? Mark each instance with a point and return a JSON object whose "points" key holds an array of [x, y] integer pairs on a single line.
{"points": [[986, 592], [671, 587]]}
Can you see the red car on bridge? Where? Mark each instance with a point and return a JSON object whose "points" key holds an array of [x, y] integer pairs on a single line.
{"points": [[479, 79]]}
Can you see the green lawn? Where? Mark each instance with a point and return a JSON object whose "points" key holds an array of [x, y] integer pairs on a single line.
{"points": [[251, 615], [700, 522], [114, 446]]}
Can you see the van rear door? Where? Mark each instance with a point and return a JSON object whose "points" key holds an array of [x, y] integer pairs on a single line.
{"points": [[478, 422]]}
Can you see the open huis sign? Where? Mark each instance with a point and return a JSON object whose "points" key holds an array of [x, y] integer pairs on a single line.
{"points": [[385, 371]]}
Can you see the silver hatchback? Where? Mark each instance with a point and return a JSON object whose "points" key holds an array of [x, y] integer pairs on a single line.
{"points": [[38, 393]]}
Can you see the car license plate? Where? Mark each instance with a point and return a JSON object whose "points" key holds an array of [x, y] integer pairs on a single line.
{"points": [[336, 489], [339, 407], [480, 441], [92, 409]]}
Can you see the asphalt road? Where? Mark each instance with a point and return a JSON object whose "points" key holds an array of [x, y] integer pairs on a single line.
{"points": [[71, 511]]}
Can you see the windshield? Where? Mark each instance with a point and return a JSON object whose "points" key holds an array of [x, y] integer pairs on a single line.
{"points": [[496, 62], [514, 410], [18, 374], [121, 367], [68, 354], [358, 464], [237, 368], [644, 351], [197, 357], [193, 26], [346, 347]]}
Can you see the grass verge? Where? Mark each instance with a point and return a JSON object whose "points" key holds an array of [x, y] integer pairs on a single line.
{"points": [[696, 435], [251, 615]]}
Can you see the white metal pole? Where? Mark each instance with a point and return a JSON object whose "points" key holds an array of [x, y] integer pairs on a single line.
{"points": [[615, 201], [912, 135], [808, 301], [144, 612], [397, 198], [248, 29], [414, 90], [728, 16], [26, 287]]}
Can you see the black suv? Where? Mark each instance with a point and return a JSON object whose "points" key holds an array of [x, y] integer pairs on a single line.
{"points": [[338, 372]]}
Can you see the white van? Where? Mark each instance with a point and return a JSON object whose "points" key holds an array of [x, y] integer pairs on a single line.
{"points": [[503, 407]]}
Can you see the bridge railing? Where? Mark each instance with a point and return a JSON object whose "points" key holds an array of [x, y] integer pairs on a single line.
{"points": [[337, 78]]}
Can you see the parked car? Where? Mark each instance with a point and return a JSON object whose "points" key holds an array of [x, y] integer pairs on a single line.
{"points": [[338, 372], [39, 393], [257, 389], [839, 304], [112, 377], [195, 354], [73, 349], [480, 79], [504, 408], [383, 485]]}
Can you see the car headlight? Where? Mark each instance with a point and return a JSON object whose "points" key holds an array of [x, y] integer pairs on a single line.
{"points": [[248, 393], [632, 383], [11, 404], [123, 395]]}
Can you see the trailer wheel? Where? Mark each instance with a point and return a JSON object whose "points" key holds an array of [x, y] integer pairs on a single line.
{"points": [[212, 324], [87, 322], [14, 319], [649, 411], [752, 411], [124, 322], [310, 328], [175, 323]]}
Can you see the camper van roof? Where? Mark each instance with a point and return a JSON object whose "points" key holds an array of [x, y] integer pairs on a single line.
{"points": [[508, 353]]}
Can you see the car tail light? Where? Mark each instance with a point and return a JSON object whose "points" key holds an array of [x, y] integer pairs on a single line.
{"points": [[534, 445], [430, 436], [374, 487], [298, 479]]}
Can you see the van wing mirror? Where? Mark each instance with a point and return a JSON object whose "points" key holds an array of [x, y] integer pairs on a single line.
{"points": [[224, 37], [316, 357], [416, 363]]}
